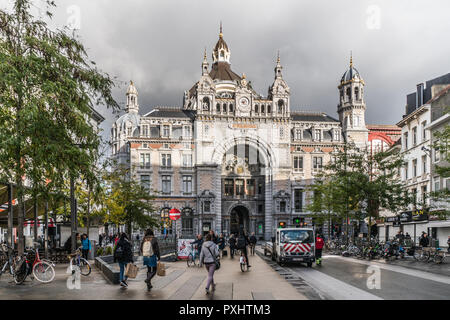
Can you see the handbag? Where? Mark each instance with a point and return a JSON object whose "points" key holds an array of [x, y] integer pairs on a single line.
{"points": [[160, 269], [131, 270], [216, 261]]}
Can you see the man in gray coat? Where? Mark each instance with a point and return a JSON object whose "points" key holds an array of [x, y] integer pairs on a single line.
{"points": [[208, 256]]}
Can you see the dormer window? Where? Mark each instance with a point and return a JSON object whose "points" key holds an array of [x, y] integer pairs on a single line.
{"points": [[317, 134], [357, 93]]}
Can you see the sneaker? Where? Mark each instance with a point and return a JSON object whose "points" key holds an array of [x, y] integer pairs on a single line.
{"points": [[207, 291], [213, 287], [149, 287], [125, 283], [122, 284]]}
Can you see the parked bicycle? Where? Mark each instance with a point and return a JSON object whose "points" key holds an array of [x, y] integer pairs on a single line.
{"points": [[76, 260], [193, 258]]}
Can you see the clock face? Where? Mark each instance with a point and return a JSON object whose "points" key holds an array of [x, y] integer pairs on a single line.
{"points": [[244, 103]]}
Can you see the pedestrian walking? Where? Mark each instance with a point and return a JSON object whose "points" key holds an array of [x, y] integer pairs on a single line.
{"points": [[253, 241], [232, 243], [424, 241], [199, 243], [150, 252], [208, 256], [100, 239], [319, 247], [85, 246], [221, 244], [124, 255], [241, 244]]}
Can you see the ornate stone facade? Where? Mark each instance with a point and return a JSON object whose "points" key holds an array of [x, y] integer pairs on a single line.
{"points": [[230, 157]]}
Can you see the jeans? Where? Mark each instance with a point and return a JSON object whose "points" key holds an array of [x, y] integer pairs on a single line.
{"points": [[211, 268], [122, 266], [151, 271], [84, 253]]}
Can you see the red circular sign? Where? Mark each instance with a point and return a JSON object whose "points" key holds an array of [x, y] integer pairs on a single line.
{"points": [[174, 214]]}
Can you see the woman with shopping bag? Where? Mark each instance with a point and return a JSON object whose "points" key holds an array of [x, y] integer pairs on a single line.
{"points": [[124, 255], [150, 252]]}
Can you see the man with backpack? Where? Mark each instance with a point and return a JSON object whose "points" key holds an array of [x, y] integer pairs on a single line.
{"points": [[241, 244], [253, 242]]}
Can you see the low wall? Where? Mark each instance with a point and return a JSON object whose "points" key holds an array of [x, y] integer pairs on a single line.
{"points": [[104, 264]]}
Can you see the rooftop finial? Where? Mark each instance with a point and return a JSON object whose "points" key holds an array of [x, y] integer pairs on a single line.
{"points": [[351, 59], [204, 55], [278, 57], [221, 34]]}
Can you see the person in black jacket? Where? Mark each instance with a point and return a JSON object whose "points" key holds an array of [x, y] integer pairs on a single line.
{"points": [[253, 241], [124, 255], [424, 241], [242, 242], [232, 242]]}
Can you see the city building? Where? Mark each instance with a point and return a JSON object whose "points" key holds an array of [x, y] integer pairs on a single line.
{"points": [[230, 158]]}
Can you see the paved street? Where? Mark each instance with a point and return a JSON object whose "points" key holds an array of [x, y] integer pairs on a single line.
{"points": [[346, 278], [180, 283]]}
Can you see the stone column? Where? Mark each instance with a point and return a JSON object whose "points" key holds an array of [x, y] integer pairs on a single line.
{"points": [[268, 219]]}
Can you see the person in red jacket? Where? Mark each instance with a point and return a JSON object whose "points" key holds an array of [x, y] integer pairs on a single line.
{"points": [[319, 246]]}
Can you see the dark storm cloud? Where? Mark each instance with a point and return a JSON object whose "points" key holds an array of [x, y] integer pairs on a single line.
{"points": [[159, 44]]}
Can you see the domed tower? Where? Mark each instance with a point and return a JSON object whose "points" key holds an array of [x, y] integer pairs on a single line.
{"points": [[221, 52], [132, 99], [352, 106]]}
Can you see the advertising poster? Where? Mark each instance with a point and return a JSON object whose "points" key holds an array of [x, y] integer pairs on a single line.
{"points": [[184, 248]]}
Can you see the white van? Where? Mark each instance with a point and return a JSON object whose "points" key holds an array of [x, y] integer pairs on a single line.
{"points": [[294, 245]]}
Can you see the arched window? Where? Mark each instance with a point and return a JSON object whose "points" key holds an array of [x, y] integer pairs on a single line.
{"points": [[262, 109], [269, 109], [225, 108], [357, 93], [218, 107], [231, 107], [349, 93], [280, 105], [206, 104], [256, 109]]}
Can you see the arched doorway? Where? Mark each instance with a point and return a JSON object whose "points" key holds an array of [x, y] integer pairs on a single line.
{"points": [[239, 219]]}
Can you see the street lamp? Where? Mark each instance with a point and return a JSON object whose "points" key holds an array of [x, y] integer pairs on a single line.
{"points": [[427, 151]]}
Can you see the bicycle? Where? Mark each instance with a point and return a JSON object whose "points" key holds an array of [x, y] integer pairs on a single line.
{"points": [[7, 260], [81, 263], [193, 259], [43, 270]]}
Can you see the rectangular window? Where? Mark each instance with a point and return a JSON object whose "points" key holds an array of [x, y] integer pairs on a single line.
{"points": [[282, 206], [187, 160], [405, 140], [298, 163], [406, 171], [207, 206], [129, 132], [166, 160], [424, 132], [317, 163], [414, 164], [145, 131], [298, 200], [337, 135], [187, 131], [424, 194], [229, 187], [437, 183], [317, 134], [298, 134], [414, 196], [166, 131], [239, 187], [145, 181], [187, 184], [145, 161], [166, 184], [251, 187], [414, 136], [437, 155], [424, 164], [260, 188]]}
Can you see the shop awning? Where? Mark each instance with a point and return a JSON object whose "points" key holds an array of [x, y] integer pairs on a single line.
{"points": [[440, 224]]}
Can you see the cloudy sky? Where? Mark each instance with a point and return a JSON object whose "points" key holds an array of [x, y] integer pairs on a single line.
{"points": [[159, 44]]}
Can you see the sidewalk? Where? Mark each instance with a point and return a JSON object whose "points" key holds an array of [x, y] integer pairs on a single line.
{"points": [[180, 283]]}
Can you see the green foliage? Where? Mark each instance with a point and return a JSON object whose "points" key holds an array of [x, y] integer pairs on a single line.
{"points": [[48, 89], [100, 252], [108, 251]]}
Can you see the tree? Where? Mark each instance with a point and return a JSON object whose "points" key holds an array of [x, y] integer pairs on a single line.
{"points": [[127, 202], [364, 183], [48, 89]]}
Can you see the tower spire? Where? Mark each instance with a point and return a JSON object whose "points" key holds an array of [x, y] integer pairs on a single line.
{"points": [[351, 59], [221, 33]]}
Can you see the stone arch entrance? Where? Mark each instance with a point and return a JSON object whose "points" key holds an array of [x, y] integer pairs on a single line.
{"points": [[239, 219]]}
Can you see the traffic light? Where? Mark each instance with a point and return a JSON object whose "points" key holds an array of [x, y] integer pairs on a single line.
{"points": [[281, 224], [297, 221]]}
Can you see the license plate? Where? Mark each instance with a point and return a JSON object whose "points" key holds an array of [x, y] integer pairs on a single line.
{"points": [[297, 259]]}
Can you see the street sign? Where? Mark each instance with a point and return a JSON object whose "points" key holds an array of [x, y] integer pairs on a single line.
{"points": [[174, 214]]}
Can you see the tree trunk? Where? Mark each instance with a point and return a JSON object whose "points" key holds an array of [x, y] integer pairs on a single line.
{"points": [[88, 221]]}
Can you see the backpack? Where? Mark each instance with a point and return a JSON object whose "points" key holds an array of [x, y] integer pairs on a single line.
{"points": [[147, 249], [241, 243]]}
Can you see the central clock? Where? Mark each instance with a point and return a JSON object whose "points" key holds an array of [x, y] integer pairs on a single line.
{"points": [[244, 104]]}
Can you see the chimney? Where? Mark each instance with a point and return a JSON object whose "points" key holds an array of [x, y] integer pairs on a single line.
{"points": [[419, 95]]}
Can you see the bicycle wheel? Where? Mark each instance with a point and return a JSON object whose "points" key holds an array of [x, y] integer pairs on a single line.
{"points": [[44, 272], [21, 271], [85, 267], [438, 259], [425, 256]]}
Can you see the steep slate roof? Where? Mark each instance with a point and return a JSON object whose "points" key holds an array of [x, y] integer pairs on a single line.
{"points": [[170, 112], [318, 117], [222, 71]]}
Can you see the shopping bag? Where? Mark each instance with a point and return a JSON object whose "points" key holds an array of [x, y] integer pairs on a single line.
{"points": [[161, 269], [131, 270]]}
